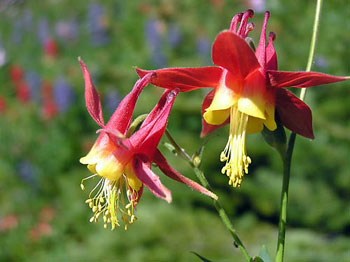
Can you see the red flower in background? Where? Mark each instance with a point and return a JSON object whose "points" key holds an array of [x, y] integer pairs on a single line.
{"points": [[3, 104], [50, 48], [124, 163], [21, 87], [49, 108], [248, 91]]}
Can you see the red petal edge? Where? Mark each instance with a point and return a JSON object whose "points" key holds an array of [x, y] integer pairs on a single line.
{"points": [[294, 113]]}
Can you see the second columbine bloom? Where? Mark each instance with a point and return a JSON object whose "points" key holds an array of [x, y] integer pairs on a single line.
{"points": [[122, 161]]}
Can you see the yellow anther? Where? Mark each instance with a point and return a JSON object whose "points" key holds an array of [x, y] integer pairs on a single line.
{"points": [[82, 187]]}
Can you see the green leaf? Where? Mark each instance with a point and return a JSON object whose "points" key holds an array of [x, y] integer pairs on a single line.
{"points": [[201, 257]]}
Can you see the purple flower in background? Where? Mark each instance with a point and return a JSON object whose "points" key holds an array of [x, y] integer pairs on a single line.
{"points": [[321, 62], [27, 20], [153, 33], [3, 58], [63, 94], [203, 47], [96, 24], [174, 35], [259, 6], [112, 100], [33, 80], [67, 31], [43, 31], [26, 171], [17, 32]]}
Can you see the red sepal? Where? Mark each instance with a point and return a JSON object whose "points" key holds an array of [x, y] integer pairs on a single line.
{"points": [[294, 113], [121, 118], [301, 79], [146, 139], [92, 99], [149, 179], [185, 79]]}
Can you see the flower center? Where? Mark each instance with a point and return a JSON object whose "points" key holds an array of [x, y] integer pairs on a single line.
{"points": [[234, 154], [113, 200]]}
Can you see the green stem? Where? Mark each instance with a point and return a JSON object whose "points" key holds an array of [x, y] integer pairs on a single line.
{"points": [[287, 159], [219, 208]]}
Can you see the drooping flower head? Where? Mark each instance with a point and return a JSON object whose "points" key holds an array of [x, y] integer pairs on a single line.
{"points": [[247, 91], [123, 161]]}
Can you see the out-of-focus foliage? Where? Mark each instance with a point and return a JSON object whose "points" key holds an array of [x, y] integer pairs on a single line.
{"points": [[42, 135]]}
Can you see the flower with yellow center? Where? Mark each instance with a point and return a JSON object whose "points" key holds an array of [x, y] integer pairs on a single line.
{"points": [[123, 164], [247, 91]]}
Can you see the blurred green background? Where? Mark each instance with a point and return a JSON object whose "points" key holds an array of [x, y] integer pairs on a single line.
{"points": [[45, 129]]}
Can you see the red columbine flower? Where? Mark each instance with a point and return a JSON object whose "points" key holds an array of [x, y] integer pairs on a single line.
{"points": [[124, 163], [247, 91]]}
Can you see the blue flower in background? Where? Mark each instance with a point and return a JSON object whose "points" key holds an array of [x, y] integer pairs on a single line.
{"points": [[27, 172], [64, 95], [203, 47], [33, 80], [67, 30], [96, 25], [43, 31], [17, 32], [112, 100], [174, 35], [154, 41], [27, 20], [3, 55]]}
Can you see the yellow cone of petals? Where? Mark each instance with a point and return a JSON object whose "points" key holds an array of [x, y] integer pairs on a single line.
{"points": [[270, 122], [133, 181], [255, 125], [216, 117], [252, 100]]}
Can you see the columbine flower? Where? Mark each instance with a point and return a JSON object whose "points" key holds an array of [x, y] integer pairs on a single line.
{"points": [[247, 91], [123, 162]]}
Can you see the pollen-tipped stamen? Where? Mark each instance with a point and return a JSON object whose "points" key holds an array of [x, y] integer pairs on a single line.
{"points": [[114, 201], [234, 154]]}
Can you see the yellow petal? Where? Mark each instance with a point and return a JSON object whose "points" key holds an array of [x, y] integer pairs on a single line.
{"points": [[133, 181], [255, 125], [216, 117], [252, 100], [224, 96], [108, 167], [270, 117], [92, 168]]}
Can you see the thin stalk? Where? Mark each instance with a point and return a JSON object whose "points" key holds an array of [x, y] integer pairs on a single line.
{"points": [[289, 152], [219, 208]]}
